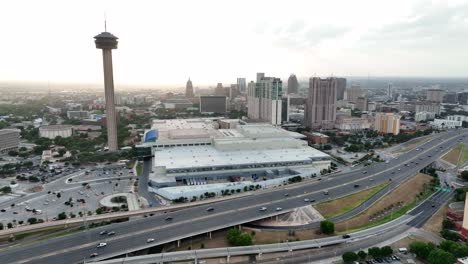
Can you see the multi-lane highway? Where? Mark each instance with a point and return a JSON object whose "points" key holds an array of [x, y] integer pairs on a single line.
{"points": [[371, 236], [132, 236]]}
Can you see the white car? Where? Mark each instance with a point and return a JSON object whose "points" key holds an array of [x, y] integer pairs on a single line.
{"points": [[279, 208], [149, 240], [100, 245], [306, 200], [263, 209]]}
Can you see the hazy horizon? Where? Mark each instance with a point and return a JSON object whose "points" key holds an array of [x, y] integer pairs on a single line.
{"points": [[165, 43]]}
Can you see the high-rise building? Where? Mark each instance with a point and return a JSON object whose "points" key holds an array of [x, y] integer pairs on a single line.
{"points": [[233, 91], [451, 98], [354, 92], [341, 88], [241, 85], [213, 104], [293, 84], [9, 139], [264, 99], [189, 89], [361, 103], [107, 42], [321, 103], [435, 95], [260, 76], [219, 90], [387, 123], [389, 91]]}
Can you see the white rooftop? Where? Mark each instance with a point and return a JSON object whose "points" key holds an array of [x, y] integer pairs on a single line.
{"points": [[209, 156]]}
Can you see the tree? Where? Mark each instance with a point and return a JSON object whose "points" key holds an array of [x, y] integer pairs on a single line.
{"points": [[447, 224], [447, 234], [1, 226], [62, 216], [327, 227], [349, 257], [6, 189], [32, 221], [438, 256], [386, 251], [236, 238], [374, 252], [10, 225], [421, 249], [362, 255], [464, 175]]}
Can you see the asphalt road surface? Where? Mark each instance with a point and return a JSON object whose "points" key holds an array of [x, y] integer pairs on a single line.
{"points": [[131, 236]]}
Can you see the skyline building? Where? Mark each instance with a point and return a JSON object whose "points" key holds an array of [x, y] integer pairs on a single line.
{"points": [[293, 84], [264, 99], [321, 103], [189, 89], [241, 85], [354, 92], [219, 90], [341, 88], [387, 123], [107, 42], [435, 95]]}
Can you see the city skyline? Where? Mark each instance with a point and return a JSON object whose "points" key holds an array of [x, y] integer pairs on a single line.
{"points": [[405, 38]]}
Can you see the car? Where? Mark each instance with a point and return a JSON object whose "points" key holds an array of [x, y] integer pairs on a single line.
{"points": [[95, 254], [111, 233], [102, 244], [306, 200], [279, 208], [370, 179], [149, 240], [433, 205], [346, 236], [263, 209], [169, 218], [319, 179], [312, 201], [364, 172], [429, 156], [325, 192], [393, 172], [286, 194], [209, 209], [103, 232], [356, 185]]}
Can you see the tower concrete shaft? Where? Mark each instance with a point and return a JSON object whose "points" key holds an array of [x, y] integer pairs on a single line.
{"points": [[110, 106], [106, 41]]}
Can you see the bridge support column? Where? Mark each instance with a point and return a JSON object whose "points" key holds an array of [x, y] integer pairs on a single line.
{"points": [[276, 218], [259, 255], [240, 228], [209, 233], [178, 243], [228, 258]]}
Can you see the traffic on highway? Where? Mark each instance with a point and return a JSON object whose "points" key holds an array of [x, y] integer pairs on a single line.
{"points": [[171, 226]]}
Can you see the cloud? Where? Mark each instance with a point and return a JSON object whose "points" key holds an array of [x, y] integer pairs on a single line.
{"points": [[428, 26]]}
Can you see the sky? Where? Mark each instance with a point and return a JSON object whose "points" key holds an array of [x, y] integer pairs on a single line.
{"points": [[166, 42]]}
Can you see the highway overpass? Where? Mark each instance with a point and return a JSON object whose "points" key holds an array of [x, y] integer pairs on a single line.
{"points": [[131, 236]]}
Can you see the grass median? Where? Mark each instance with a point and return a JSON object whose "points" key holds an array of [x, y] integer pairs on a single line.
{"points": [[347, 203]]}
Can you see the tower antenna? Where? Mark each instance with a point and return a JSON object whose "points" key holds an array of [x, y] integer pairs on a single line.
{"points": [[105, 22]]}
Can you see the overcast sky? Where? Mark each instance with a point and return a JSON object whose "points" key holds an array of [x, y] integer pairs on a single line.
{"points": [[165, 42]]}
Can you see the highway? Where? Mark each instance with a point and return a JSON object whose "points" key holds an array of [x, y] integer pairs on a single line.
{"points": [[369, 236], [131, 236]]}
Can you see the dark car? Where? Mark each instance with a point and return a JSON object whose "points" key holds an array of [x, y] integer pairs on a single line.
{"points": [[346, 236], [94, 255], [209, 209], [356, 185], [169, 218]]}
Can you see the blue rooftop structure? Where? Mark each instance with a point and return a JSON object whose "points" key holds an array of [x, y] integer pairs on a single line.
{"points": [[151, 135]]}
